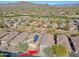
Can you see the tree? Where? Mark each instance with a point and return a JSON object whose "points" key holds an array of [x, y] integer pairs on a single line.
{"points": [[2, 25], [56, 50], [48, 51], [23, 47], [1, 54], [59, 50]]}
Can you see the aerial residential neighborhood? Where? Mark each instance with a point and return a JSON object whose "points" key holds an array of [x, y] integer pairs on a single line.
{"points": [[39, 30]]}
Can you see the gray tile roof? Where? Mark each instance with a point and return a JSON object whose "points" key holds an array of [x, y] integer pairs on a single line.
{"points": [[20, 38], [75, 41], [2, 34], [9, 36]]}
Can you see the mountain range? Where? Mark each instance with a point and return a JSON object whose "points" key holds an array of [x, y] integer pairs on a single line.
{"points": [[29, 4]]}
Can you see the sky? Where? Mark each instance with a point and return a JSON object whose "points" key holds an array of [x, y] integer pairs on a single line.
{"points": [[44, 2], [55, 2]]}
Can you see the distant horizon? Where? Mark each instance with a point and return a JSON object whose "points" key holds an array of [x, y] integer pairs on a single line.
{"points": [[43, 2]]}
